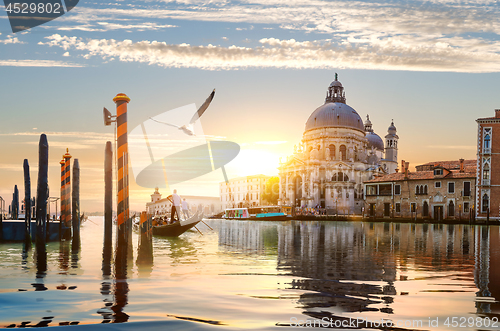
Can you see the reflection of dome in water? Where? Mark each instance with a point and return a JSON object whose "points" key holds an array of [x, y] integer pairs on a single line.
{"points": [[374, 141]]}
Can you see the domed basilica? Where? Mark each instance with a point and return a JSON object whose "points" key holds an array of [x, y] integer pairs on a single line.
{"points": [[338, 152]]}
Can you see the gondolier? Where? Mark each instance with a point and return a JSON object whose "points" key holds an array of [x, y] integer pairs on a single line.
{"points": [[176, 206]]}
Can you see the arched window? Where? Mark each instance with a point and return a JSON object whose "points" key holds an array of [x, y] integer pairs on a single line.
{"points": [[487, 141], [332, 152], [417, 190], [451, 209], [340, 177], [343, 152], [355, 153], [425, 189], [486, 203]]}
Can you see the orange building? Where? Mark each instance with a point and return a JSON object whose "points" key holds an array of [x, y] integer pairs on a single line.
{"points": [[437, 190], [488, 156]]}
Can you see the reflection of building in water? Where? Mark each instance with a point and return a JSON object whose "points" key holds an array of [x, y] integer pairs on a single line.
{"points": [[487, 270], [251, 237], [354, 266], [159, 206]]}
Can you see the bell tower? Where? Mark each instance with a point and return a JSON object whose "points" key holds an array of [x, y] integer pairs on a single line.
{"points": [[390, 161]]}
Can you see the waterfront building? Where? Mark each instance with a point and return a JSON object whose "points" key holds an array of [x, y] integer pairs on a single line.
{"points": [[243, 191], [337, 153], [159, 206], [436, 190], [488, 158]]}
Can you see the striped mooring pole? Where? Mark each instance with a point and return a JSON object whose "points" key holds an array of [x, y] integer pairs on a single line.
{"points": [[67, 195], [123, 220], [62, 214], [75, 200]]}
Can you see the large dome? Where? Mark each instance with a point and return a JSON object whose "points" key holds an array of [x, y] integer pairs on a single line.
{"points": [[334, 114], [375, 141]]}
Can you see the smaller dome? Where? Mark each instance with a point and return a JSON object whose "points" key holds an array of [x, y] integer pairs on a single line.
{"points": [[392, 128], [374, 141], [368, 122], [336, 83]]}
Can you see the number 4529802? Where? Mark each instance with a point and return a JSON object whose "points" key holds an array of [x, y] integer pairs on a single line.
{"points": [[34, 8], [471, 322]]}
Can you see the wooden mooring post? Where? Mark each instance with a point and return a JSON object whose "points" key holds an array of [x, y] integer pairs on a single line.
{"points": [[27, 202], [41, 193], [108, 209]]}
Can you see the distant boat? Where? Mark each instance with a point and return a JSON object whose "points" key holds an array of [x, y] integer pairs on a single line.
{"points": [[178, 228], [266, 213]]}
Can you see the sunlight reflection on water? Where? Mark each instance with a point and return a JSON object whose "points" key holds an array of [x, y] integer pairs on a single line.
{"points": [[256, 274]]}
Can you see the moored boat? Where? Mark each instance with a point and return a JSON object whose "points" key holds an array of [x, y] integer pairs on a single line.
{"points": [[266, 213], [178, 228]]}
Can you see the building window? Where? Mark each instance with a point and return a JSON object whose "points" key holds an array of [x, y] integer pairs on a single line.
{"points": [[417, 190], [425, 211], [438, 172], [413, 207], [487, 141], [340, 177], [451, 188], [486, 203], [437, 184], [371, 190], [466, 207], [425, 189], [486, 174], [343, 152], [451, 209], [332, 152], [398, 207], [466, 189], [397, 189]]}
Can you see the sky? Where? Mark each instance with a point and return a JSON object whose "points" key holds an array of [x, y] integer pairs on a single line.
{"points": [[431, 66]]}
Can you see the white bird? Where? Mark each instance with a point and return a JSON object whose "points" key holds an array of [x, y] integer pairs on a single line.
{"points": [[189, 128]]}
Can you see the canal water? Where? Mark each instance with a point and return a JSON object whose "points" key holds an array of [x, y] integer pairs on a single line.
{"points": [[265, 275]]}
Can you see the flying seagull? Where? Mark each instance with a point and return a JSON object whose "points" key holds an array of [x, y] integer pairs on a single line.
{"points": [[189, 128]]}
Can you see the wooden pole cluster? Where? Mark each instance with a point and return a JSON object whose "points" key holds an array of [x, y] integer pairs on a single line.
{"points": [[27, 202], [42, 192], [124, 225]]}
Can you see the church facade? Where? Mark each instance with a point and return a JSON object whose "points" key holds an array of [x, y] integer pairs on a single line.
{"points": [[337, 153]]}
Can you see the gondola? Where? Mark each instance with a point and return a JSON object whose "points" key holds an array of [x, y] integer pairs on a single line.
{"points": [[178, 228]]}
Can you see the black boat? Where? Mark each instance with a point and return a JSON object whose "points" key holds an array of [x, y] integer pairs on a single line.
{"points": [[178, 228]]}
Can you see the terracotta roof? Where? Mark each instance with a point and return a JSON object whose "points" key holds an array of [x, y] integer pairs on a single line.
{"points": [[487, 118], [470, 172], [455, 164]]}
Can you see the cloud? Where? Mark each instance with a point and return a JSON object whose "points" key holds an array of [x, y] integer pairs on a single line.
{"points": [[394, 53], [37, 63], [11, 40]]}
